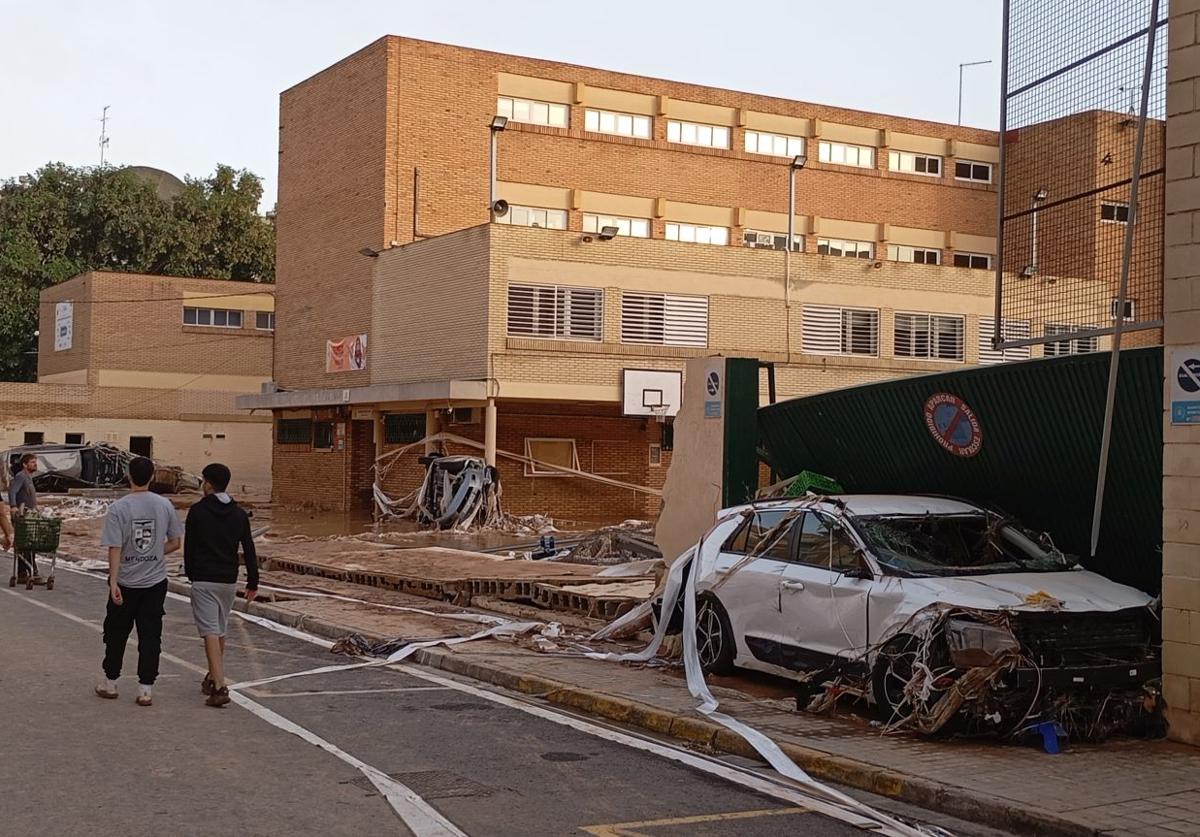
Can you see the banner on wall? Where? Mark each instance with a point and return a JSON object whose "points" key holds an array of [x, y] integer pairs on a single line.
{"points": [[346, 355], [64, 316]]}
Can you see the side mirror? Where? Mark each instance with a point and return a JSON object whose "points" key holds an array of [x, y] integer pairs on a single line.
{"points": [[862, 572]]}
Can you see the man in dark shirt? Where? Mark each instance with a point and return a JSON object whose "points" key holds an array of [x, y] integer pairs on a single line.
{"points": [[215, 528], [22, 496]]}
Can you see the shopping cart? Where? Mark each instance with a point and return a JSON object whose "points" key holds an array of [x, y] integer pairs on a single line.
{"points": [[34, 534]]}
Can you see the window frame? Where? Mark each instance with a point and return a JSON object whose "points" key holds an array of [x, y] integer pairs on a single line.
{"points": [[798, 242], [679, 127], [531, 469], [228, 314], [393, 424], [897, 158], [825, 154], [696, 228], [991, 171], [828, 242], [319, 431], [1074, 345], [550, 108], [895, 251], [258, 315], [932, 344], [597, 221], [293, 424], [1116, 206], [639, 303], [788, 139], [1130, 308], [833, 527], [596, 126], [513, 209], [970, 256], [563, 296]]}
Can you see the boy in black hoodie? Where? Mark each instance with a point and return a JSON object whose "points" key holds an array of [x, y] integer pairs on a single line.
{"points": [[214, 529]]}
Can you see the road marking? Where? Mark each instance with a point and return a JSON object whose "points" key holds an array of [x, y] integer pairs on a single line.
{"points": [[262, 694], [630, 829], [422, 819]]}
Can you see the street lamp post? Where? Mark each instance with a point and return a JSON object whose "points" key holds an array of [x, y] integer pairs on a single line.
{"points": [[798, 162], [1038, 196], [960, 82], [498, 124]]}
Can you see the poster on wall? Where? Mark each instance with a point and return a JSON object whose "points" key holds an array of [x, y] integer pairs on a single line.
{"points": [[346, 355], [64, 324]]}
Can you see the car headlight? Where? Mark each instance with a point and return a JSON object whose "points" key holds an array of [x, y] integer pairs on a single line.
{"points": [[974, 644]]}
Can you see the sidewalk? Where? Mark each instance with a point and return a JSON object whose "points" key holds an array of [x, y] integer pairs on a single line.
{"points": [[1123, 787]]}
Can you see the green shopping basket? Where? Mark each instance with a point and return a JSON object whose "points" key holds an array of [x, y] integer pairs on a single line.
{"points": [[36, 534]]}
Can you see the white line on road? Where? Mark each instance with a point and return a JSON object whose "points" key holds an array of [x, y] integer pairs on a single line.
{"points": [[422, 819], [262, 694]]}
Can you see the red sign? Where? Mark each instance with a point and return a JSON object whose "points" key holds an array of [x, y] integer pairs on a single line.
{"points": [[953, 424]]}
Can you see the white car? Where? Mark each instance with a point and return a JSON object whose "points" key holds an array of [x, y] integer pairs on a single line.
{"points": [[909, 595]]}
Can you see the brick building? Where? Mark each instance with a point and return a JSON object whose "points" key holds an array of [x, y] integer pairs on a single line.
{"points": [[384, 249], [152, 364]]}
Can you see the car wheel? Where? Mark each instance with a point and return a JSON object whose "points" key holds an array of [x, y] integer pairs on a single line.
{"points": [[714, 636], [892, 672]]}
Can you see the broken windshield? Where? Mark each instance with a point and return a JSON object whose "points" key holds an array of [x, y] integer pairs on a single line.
{"points": [[956, 544]]}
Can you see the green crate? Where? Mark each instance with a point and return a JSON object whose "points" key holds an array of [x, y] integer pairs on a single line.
{"points": [[807, 481], [37, 534]]}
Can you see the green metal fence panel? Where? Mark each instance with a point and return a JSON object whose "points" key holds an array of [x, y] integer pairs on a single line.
{"points": [[1021, 437]]}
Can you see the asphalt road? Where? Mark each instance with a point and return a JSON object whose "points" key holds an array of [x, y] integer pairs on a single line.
{"points": [[71, 762]]}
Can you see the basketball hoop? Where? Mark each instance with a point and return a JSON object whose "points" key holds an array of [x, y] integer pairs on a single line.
{"points": [[659, 411]]}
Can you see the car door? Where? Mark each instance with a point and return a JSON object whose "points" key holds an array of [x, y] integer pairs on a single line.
{"points": [[749, 588], [825, 609]]}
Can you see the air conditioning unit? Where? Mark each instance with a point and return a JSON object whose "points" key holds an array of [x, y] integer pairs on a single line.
{"points": [[760, 241], [270, 387], [463, 415]]}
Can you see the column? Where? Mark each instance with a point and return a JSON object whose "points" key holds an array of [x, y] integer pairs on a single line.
{"points": [[1181, 327], [431, 427], [489, 432]]}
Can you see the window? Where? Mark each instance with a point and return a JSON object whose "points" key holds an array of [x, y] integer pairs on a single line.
{"points": [[293, 431], [697, 234], [916, 255], [74, 439], [214, 317], [621, 124], [664, 319], [1115, 213], [34, 437], [753, 530], [655, 460], [322, 438], [979, 261], [841, 247], [932, 336], [264, 320], [543, 452], [403, 428], [777, 145], [1130, 310], [908, 163], [1068, 346], [691, 133], [532, 216], [969, 170], [533, 112], [771, 240], [846, 155], [142, 446], [1010, 330], [555, 311], [830, 330], [635, 227], [822, 543]]}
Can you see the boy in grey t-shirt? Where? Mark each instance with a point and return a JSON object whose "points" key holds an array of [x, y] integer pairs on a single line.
{"points": [[141, 529]]}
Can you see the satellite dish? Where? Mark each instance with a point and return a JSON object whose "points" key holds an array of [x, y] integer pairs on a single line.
{"points": [[500, 208]]}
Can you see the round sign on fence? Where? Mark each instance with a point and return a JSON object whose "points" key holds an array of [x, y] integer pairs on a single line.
{"points": [[953, 424]]}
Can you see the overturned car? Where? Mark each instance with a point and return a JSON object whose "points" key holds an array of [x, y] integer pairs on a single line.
{"points": [[94, 465], [949, 617]]}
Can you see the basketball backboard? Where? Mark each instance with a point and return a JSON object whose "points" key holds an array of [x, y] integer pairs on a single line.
{"points": [[648, 392]]}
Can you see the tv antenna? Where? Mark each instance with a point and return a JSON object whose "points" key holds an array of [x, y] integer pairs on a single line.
{"points": [[103, 133]]}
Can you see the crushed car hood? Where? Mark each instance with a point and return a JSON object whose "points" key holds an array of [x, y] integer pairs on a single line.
{"points": [[1076, 590]]}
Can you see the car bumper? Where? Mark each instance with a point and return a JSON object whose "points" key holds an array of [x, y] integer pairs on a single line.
{"points": [[1110, 676]]}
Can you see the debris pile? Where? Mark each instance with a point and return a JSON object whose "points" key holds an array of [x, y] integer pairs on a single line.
{"points": [[91, 466]]}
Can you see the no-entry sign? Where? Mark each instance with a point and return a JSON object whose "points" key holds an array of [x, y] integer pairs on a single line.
{"points": [[953, 424], [1183, 372]]}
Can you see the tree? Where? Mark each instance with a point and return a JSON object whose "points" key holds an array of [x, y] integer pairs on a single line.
{"points": [[62, 220]]}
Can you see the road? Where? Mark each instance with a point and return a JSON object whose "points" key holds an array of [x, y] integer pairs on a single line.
{"points": [[467, 761]]}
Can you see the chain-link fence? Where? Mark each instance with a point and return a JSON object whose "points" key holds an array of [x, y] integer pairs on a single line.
{"points": [[1075, 83]]}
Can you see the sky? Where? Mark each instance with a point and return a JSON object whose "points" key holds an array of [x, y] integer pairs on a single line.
{"points": [[191, 85]]}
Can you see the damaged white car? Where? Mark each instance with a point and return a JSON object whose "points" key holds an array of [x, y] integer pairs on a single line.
{"points": [[950, 617]]}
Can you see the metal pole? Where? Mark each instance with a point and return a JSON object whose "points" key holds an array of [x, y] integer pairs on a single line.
{"points": [[996, 332], [960, 74], [1126, 257], [791, 235], [1033, 254], [492, 178]]}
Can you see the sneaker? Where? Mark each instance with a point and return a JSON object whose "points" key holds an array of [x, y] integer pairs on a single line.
{"points": [[219, 697], [145, 695], [207, 686], [107, 689]]}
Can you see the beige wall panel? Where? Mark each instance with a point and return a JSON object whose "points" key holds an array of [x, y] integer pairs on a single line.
{"points": [[527, 194], [916, 238], [620, 101], [775, 222], [855, 134], [177, 380], [541, 89], [229, 299], [600, 202], [794, 126], [855, 230], [898, 141], [694, 213], [704, 114], [975, 243], [78, 376], [973, 151]]}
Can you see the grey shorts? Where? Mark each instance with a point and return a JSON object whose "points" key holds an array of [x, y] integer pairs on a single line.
{"points": [[211, 603]]}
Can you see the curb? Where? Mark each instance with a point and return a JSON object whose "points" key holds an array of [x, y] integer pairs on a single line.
{"points": [[962, 803]]}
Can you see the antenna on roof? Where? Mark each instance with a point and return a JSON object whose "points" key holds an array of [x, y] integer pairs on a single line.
{"points": [[103, 133]]}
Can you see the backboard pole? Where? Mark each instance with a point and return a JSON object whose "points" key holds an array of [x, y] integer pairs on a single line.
{"points": [[999, 257], [1123, 288]]}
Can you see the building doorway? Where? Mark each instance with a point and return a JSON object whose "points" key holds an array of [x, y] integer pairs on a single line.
{"points": [[142, 446], [362, 460], [34, 437]]}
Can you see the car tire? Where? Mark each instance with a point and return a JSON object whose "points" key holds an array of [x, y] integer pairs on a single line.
{"points": [[891, 672], [714, 636]]}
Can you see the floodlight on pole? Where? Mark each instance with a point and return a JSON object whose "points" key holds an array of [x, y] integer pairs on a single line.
{"points": [[498, 124]]}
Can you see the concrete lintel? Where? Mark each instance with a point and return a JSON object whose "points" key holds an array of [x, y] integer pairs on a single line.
{"points": [[420, 391]]}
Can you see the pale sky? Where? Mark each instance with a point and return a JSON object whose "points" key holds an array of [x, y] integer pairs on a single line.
{"points": [[191, 85]]}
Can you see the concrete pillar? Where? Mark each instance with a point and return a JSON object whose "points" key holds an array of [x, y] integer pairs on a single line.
{"points": [[489, 432], [1181, 327], [377, 435], [431, 427]]}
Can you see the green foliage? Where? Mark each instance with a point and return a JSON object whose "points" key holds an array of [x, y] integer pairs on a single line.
{"points": [[61, 221]]}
